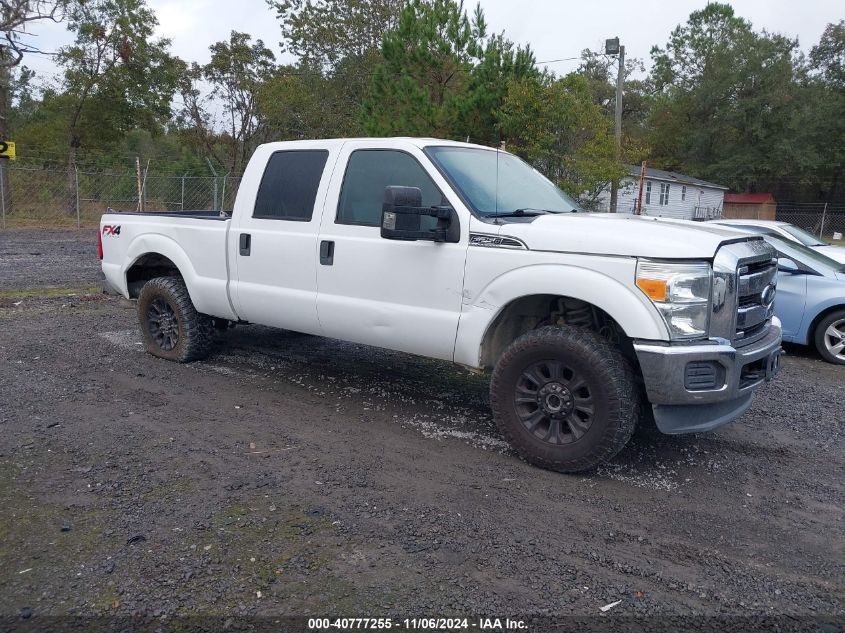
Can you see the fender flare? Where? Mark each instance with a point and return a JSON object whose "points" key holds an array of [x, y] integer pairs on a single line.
{"points": [[633, 311], [156, 243]]}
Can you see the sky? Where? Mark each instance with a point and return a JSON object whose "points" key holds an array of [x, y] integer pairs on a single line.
{"points": [[555, 29]]}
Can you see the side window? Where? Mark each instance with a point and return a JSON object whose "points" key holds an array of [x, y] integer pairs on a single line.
{"points": [[369, 172], [289, 186], [664, 194], [648, 192]]}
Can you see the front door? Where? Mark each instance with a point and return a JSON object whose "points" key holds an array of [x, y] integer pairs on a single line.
{"points": [[790, 300], [403, 295]]}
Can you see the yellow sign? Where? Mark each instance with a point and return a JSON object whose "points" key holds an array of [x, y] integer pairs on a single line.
{"points": [[7, 149]]}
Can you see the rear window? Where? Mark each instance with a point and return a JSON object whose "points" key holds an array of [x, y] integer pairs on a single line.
{"points": [[289, 186]]}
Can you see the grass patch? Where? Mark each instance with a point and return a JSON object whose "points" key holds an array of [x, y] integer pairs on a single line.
{"points": [[48, 292], [170, 490], [26, 219], [31, 525]]}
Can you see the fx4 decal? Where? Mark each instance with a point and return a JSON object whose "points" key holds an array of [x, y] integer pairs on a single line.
{"points": [[111, 229]]}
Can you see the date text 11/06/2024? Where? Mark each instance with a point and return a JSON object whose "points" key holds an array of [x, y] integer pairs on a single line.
{"points": [[436, 624]]}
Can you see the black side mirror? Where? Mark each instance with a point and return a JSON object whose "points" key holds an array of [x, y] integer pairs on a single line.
{"points": [[402, 212]]}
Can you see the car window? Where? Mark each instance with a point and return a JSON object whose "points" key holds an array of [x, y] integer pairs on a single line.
{"points": [[805, 237], [289, 186], [369, 172], [803, 254], [749, 228]]}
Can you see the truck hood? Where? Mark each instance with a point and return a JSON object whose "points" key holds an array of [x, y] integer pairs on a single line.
{"points": [[622, 234]]}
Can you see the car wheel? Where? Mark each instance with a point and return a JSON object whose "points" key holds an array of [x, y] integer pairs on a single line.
{"points": [[171, 326], [830, 337], [564, 398]]}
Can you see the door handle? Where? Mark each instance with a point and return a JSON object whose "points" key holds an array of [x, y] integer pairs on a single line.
{"points": [[327, 252], [245, 244]]}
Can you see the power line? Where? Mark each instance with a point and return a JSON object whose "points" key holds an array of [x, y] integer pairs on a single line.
{"points": [[562, 59]]}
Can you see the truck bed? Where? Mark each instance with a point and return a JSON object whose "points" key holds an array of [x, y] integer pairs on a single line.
{"points": [[197, 215], [194, 241]]}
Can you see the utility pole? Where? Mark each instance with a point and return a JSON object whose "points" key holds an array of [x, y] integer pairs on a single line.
{"points": [[612, 47], [5, 107]]}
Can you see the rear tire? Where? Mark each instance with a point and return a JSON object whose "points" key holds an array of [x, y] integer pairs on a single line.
{"points": [[564, 398], [171, 326], [829, 337]]}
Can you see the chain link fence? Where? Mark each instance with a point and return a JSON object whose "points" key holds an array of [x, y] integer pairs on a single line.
{"points": [[64, 197], [33, 195], [824, 220]]}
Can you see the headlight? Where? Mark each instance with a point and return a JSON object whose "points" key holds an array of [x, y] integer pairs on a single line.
{"points": [[681, 293]]}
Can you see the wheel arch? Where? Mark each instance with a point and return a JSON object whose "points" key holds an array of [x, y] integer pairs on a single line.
{"points": [[523, 299], [810, 334], [153, 255], [146, 267]]}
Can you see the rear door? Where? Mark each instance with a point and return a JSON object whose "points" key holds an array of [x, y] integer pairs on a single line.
{"points": [[274, 241], [403, 295]]}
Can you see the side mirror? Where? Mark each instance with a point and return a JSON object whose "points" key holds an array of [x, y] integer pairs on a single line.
{"points": [[786, 265], [402, 213]]}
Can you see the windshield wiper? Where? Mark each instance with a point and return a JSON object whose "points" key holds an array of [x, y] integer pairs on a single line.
{"points": [[526, 212]]}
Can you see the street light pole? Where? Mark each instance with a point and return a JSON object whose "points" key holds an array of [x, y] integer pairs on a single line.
{"points": [[612, 47]]}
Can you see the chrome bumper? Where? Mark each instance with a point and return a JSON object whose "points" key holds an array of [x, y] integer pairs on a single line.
{"points": [[739, 371]]}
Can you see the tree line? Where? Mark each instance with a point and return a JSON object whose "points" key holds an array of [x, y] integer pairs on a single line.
{"points": [[723, 101]]}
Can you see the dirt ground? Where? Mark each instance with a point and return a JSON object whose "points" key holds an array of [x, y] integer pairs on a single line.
{"points": [[296, 475]]}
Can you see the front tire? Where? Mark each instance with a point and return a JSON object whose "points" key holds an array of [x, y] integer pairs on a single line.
{"points": [[171, 326], [564, 398], [829, 337]]}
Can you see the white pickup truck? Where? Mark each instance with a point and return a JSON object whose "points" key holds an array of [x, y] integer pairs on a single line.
{"points": [[589, 322]]}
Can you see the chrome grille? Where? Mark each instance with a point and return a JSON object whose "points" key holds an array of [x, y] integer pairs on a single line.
{"points": [[755, 303], [744, 274]]}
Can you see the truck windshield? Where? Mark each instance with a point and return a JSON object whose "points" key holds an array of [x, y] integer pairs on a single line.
{"points": [[496, 183]]}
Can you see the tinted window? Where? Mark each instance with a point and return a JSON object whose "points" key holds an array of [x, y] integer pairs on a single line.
{"points": [[368, 173], [289, 186]]}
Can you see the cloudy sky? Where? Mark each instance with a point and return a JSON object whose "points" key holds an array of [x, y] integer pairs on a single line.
{"points": [[554, 28]]}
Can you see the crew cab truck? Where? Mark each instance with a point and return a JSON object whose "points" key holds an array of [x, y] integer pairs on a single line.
{"points": [[588, 322]]}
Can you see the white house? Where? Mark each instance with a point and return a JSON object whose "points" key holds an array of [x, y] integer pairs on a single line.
{"points": [[668, 194]]}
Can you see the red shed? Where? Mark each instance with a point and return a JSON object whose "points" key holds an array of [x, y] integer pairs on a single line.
{"points": [[751, 206]]}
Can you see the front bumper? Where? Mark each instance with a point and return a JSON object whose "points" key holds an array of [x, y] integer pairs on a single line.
{"points": [[682, 405]]}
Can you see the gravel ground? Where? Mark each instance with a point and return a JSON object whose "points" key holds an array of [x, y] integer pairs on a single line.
{"points": [[44, 257], [295, 475]]}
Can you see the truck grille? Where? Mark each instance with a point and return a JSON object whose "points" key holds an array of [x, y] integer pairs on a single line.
{"points": [[755, 297], [745, 274]]}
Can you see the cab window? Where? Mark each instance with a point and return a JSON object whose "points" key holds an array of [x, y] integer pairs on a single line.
{"points": [[368, 172], [289, 186]]}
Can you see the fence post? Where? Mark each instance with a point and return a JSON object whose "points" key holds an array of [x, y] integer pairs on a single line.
{"points": [[223, 197], [144, 187], [182, 203], [76, 181], [211, 167], [821, 230], [3, 189]]}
